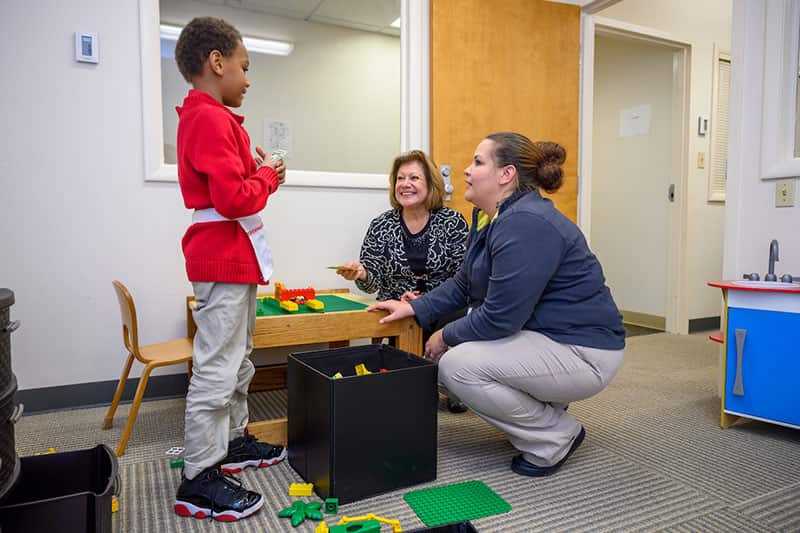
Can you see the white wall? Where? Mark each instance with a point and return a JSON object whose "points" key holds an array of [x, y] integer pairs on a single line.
{"points": [[630, 174], [702, 24], [336, 85], [76, 213], [753, 220]]}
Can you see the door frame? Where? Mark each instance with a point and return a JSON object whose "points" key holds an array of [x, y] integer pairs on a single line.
{"points": [[677, 314]]}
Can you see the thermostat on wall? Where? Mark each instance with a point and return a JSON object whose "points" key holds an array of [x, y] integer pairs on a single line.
{"points": [[86, 47]]}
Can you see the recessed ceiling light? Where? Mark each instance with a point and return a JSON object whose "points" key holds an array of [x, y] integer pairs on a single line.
{"points": [[253, 44]]}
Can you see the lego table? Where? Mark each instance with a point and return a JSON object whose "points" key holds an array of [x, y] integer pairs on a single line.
{"points": [[336, 328]]}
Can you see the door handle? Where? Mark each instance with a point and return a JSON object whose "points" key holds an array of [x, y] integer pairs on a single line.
{"points": [[738, 386], [448, 186], [671, 192]]}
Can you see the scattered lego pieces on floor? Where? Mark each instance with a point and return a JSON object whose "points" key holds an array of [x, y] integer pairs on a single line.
{"points": [[114, 504], [48, 452], [331, 505], [370, 518], [176, 463], [175, 450], [301, 489], [301, 510]]}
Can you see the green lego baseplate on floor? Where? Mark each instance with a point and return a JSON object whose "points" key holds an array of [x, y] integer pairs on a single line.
{"points": [[455, 503]]}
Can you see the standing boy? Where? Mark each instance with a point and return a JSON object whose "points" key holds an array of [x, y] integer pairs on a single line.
{"points": [[227, 255]]}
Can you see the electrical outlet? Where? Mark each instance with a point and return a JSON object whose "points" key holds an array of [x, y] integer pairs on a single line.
{"points": [[701, 160], [784, 192]]}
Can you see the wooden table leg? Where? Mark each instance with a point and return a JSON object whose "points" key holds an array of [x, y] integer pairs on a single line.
{"points": [[410, 338]]}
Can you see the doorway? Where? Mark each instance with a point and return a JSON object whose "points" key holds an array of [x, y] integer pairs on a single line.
{"points": [[633, 186]]}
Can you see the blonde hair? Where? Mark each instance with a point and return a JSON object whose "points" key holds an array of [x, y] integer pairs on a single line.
{"points": [[433, 178]]}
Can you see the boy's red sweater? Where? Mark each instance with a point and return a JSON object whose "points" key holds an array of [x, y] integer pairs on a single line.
{"points": [[216, 169]]}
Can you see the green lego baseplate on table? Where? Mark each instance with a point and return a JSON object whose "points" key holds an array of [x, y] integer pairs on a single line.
{"points": [[269, 306], [455, 503]]}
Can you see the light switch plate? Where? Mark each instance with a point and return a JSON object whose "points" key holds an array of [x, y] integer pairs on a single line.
{"points": [[784, 192]]}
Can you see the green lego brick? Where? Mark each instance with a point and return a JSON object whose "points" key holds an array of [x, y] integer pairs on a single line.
{"points": [[331, 505], [362, 526], [176, 463], [455, 503]]}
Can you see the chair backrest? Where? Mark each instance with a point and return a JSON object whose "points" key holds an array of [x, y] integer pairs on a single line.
{"points": [[127, 310]]}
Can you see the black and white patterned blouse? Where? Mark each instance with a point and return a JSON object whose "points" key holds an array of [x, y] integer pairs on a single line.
{"points": [[386, 248]]}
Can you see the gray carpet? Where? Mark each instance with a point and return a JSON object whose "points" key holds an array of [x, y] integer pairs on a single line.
{"points": [[654, 459]]}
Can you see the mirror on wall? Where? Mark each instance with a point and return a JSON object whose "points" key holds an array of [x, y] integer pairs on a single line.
{"points": [[334, 102]]}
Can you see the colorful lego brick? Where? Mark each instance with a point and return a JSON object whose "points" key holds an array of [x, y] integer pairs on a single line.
{"points": [[337, 375], [283, 294], [331, 505], [175, 450], [289, 306], [322, 527], [301, 489], [114, 504], [315, 305], [361, 370], [362, 526], [370, 518], [176, 463], [48, 452], [301, 510]]}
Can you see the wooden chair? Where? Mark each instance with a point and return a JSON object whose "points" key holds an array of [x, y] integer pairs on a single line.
{"points": [[152, 356]]}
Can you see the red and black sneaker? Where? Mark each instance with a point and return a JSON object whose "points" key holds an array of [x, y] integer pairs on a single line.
{"points": [[247, 451], [213, 494]]}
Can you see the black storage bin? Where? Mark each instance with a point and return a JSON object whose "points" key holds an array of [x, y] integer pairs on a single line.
{"points": [[67, 492], [6, 328], [358, 436], [460, 527], [9, 462]]}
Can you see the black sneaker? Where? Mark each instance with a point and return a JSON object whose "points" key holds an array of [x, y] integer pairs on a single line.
{"points": [[524, 467], [456, 407], [213, 494], [247, 451]]}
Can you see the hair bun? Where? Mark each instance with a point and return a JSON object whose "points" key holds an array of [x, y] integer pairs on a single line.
{"points": [[549, 171]]}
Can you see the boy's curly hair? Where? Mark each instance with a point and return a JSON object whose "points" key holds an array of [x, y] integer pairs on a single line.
{"points": [[199, 38]]}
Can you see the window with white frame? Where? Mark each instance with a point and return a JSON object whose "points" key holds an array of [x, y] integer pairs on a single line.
{"points": [[718, 172]]}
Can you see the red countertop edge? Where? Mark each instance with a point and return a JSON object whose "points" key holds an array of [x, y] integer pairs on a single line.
{"points": [[726, 284]]}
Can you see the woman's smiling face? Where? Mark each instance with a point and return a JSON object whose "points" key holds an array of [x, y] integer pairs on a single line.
{"points": [[411, 187]]}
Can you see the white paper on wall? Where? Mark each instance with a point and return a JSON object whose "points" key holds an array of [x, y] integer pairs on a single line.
{"points": [[634, 121], [278, 136]]}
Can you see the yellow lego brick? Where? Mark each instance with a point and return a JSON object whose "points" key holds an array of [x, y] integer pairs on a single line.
{"points": [[315, 305], [114, 504], [301, 489], [289, 306], [322, 527]]}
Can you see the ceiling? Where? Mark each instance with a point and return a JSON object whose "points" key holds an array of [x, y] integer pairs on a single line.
{"points": [[365, 15]]}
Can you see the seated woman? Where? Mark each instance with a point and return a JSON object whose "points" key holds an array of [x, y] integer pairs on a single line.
{"points": [[416, 245], [542, 330]]}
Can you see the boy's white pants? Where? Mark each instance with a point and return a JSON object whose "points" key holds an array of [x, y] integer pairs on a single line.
{"points": [[216, 404], [521, 385]]}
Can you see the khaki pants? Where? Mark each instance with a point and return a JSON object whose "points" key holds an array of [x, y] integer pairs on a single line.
{"points": [[216, 404], [521, 385]]}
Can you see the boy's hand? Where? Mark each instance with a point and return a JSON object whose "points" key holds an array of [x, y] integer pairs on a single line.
{"points": [[280, 168], [263, 158]]}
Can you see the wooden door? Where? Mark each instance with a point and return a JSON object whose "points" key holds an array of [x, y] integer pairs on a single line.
{"points": [[504, 65]]}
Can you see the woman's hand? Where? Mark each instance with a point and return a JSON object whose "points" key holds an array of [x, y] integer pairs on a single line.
{"points": [[397, 310], [409, 296], [435, 347], [354, 271]]}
